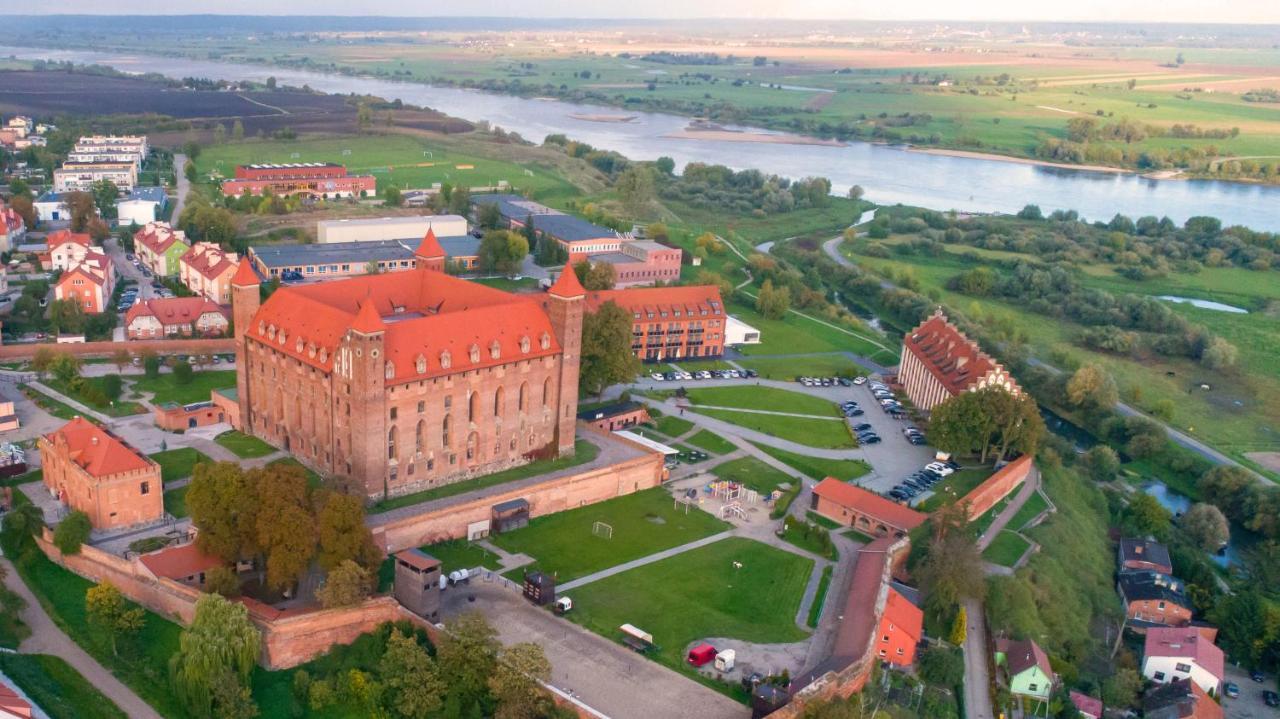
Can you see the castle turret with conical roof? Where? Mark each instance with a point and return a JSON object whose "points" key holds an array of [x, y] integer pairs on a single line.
{"points": [[430, 255]]}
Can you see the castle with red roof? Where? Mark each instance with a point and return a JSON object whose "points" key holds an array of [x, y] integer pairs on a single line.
{"points": [[409, 380], [939, 362], [90, 469]]}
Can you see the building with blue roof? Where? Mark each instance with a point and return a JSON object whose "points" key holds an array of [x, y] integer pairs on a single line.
{"points": [[142, 205]]}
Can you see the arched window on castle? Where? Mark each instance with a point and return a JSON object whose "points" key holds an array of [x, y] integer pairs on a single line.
{"points": [[392, 435]]}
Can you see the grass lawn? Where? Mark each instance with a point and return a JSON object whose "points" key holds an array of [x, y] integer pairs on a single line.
{"points": [[57, 687], [982, 523], [954, 487], [712, 442], [700, 594], [672, 426], [763, 398], [810, 541], [167, 389], [49, 404], [754, 474], [1034, 505], [244, 446], [857, 536], [643, 523], [822, 521], [584, 452], [313, 478], [826, 433], [119, 408], [1006, 549], [506, 284], [175, 501], [178, 463], [461, 554], [786, 369], [820, 598], [800, 335], [817, 467]]}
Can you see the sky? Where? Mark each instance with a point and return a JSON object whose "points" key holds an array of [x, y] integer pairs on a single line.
{"points": [[1230, 11]]}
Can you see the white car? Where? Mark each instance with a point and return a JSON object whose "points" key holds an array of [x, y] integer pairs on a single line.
{"points": [[940, 468], [859, 380], [686, 376], [656, 377]]}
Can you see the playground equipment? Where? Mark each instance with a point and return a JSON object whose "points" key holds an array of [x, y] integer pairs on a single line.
{"points": [[601, 529], [733, 509]]}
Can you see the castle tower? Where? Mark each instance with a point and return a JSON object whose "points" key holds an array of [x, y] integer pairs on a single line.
{"points": [[245, 299], [430, 255], [361, 365], [564, 308]]}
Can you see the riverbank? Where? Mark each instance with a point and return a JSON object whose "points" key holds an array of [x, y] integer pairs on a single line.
{"points": [[601, 117], [1018, 160], [760, 137]]}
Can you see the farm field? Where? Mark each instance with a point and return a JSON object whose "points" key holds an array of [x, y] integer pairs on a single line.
{"points": [[566, 544], [700, 594]]}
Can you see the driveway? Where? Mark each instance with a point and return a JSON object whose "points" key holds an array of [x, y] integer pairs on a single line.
{"points": [[1249, 705], [184, 185], [601, 674]]}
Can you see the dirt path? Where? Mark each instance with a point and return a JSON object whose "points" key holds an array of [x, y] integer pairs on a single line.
{"points": [[47, 638]]}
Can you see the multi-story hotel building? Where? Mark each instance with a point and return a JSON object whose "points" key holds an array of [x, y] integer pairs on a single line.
{"points": [[939, 362], [669, 322], [81, 176]]}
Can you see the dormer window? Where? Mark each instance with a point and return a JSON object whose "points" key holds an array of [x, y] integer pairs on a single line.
{"points": [[391, 370], [420, 364], [495, 350], [324, 355], [282, 336], [297, 346], [446, 360], [545, 341], [474, 352], [524, 344], [262, 327], [271, 331], [311, 350]]}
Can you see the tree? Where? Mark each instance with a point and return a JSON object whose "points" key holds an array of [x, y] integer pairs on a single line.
{"points": [[1243, 627], [66, 317], [636, 188], [219, 133], [460, 200], [121, 358], [773, 303], [665, 165], [391, 197], [1121, 689], [237, 130], [1220, 354], [959, 627], [856, 192], [502, 251], [150, 363], [220, 643], [191, 149], [25, 208], [515, 682], [952, 570], [1091, 388], [183, 373], [1205, 525], [82, 208], [65, 367], [595, 276], [488, 216], [23, 521], [1102, 463], [72, 532], [412, 679], [106, 609], [942, 666], [105, 194], [1146, 516], [233, 700], [345, 585], [222, 580], [343, 534], [286, 527], [467, 654], [222, 501], [112, 386], [606, 349]]}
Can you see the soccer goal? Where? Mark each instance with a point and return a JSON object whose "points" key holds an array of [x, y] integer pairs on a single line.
{"points": [[600, 529]]}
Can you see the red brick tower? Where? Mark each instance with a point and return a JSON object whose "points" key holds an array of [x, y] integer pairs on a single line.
{"points": [[564, 308], [361, 366], [430, 254], [245, 299]]}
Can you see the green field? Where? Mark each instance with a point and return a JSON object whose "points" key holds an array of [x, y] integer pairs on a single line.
{"points": [[700, 594], [461, 554], [564, 544], [672, 426], [178, 463], [175, 502], [768, 399], [1006, 549], [753, 474], [1029, 510], [809, 539], [712, 442], [817, 467], [244, 446], [58, 689], [800, 335], [824, 433], [166, 387], [395, 160], [786, 369], [118, 408]]}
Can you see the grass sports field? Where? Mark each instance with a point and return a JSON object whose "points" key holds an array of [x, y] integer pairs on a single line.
{"points": [[569, 545]]}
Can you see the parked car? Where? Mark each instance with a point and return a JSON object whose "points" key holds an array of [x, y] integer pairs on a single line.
{"points": [[752, 374], [1231, 689], [859, 380], [873, 439], [860, 427], [656, 376], [1271, 698], [1257, 676]]}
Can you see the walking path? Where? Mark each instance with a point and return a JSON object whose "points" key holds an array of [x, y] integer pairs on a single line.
{"points": [[642, 561], [977, 678], [74, 404], [47, 638]]}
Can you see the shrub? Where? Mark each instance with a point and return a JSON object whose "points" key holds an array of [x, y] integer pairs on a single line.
{"points": [[72, 532]]}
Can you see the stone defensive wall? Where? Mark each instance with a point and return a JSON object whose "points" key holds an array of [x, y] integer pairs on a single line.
{"points": [[998, 486], [225, 345]]}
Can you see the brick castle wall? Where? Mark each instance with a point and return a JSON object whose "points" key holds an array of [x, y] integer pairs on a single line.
{"points": [[998, 486], [106, 349]]}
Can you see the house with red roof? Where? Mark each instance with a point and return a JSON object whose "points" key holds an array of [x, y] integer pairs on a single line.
{"points": [[65, 249], [1089, 707], [409, 379], [670, 322], [1026, 668], [900, 631], [1179, 699], [865, 511], [182, 563], [1173, 653], [12, 705], [90, 282], [159, 247], [206, 269], [90, 469], [175, 316], [939, 362], [12, 228]]}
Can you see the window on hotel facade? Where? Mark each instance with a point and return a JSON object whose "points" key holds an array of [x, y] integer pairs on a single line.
{"points": [[144, 488]]}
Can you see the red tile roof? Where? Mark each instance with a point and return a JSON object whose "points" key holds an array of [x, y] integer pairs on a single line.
{"points": [[158, 237], [869, 503], [1022, 654], [429, 248], [907, 617], [426, 314], [97, 451], [690, 300], [173, 310], [1185, 643], [860, 622], [954, 359], [367, 320], [245, 276], [209, 262], [180, 562], [567, 284], [59, 237], [13, 705], [1086, 704]]}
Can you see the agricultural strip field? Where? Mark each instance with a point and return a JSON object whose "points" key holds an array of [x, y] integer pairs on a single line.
{"points": [[566, 545]]}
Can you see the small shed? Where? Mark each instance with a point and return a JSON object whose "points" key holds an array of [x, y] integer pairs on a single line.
{"points": [[510, 515], [725, 660], [539, 588], [417, 583], [702, 655]]}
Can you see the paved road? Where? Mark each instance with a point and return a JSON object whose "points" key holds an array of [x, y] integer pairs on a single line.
{"points": [[1249, 705], [977, 695], [184, 185], [47, 638]]}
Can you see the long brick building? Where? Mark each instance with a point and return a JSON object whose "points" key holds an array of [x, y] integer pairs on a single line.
{"points": [[412, 379], [89, 469], [939, 362], [319, 179], [670, 322]]}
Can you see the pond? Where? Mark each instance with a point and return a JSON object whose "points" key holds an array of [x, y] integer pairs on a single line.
{"points": [[1205, 304], [1179, 503]]}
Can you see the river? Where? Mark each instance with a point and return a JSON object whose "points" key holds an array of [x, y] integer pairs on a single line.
{"points": [[889, 174]]}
